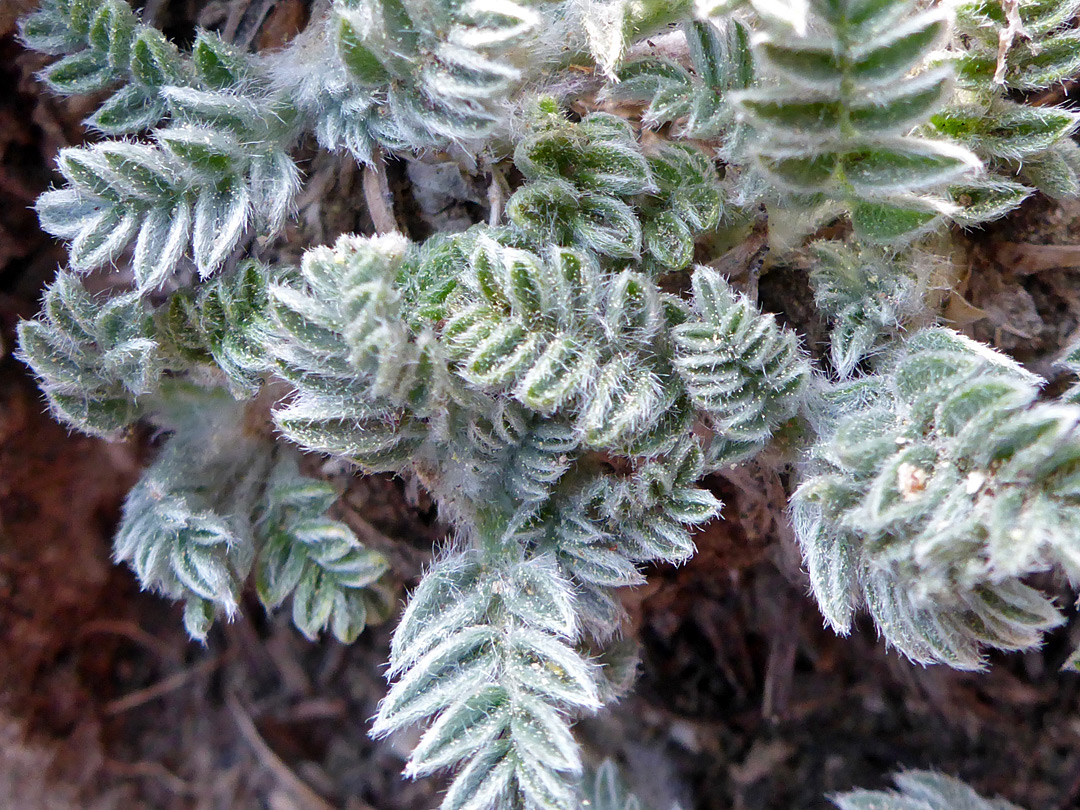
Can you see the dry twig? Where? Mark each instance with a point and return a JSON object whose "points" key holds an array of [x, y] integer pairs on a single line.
{"points": [[163, 687], [380, 201], [297, 787]]}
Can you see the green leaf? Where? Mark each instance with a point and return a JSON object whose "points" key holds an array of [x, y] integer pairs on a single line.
{"points": [[372, 442], [88, 171], [809, 173], [138, 171], [84, 72], [483, 783], [472, 723], [611, 168], [608, 226], [903, 107], [129, 109], [1006, 130], [503, 356], [218, 63], [199, 616], [102, 240], [986, 200], [781, 109], [882, 223], [349, 618], [221, 217], [817, 66], [79, 14], [863, 16], [312, 604], [210, 152], [111, 31], [557, 374], [633, 307], [907, 164], [47, 32], [362, 63], [896, 51], [627, 398], [155, 62]]}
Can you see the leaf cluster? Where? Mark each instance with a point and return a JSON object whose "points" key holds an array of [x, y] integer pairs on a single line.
{"points": [[591, 186], [935, 488], [834, 125], [562, 378], [1043, 51], [920, 790], [868, 295], [1024, 146], [693, 98], [486, 649], [93, 358], [219, 502], [101, 45], [220, 165], [501, 366], [407, 75]]}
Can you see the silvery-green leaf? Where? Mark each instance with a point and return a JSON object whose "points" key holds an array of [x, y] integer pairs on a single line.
{"points": [[221, 217], [163, 236]]}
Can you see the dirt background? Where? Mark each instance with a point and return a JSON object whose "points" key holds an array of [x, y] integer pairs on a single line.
{"points": [[744, 701]]}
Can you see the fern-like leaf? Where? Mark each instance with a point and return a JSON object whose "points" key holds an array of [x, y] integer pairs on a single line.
{"points": [[485, 650], [101, 45], [939, 485], [920, 790], [316, 560], [740, 367], [93, 358], [836, 125], [186, 525], [694, 100]]}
